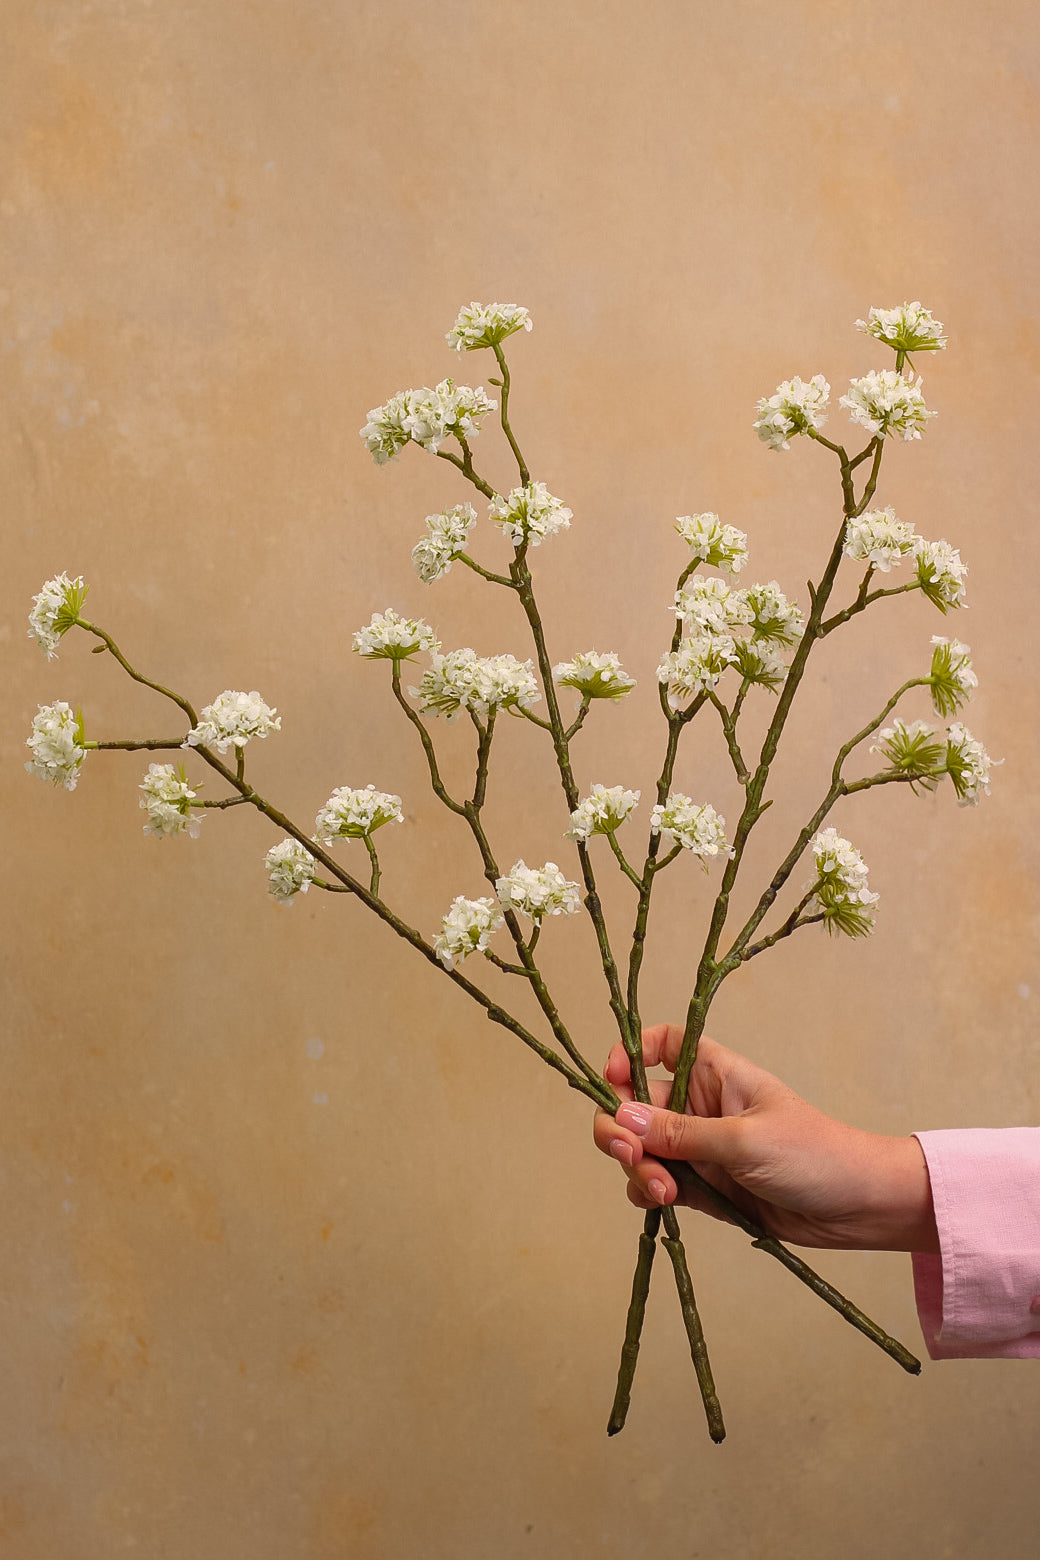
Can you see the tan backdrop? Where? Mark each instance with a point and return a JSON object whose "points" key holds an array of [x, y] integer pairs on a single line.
{"points": [[301, 1257]]}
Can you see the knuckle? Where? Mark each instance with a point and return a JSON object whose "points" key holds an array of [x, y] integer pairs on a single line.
{"points": [[672, 1132]]}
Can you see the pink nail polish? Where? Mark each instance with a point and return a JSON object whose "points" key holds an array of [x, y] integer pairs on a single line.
{"points": [[636, 1118], [658, 1191], [622, 1151]]}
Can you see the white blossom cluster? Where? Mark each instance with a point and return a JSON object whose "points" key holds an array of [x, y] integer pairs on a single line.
{"points": [[466, 929], [719, 546], [698, 829], [538, 891], [879, 539], [602, 811], [290, 870], [232, 720], [709, 603], [759, 663], [793, 408], [967, 764], [841, 891], [393, 638], [953, 680], [594, 675], [884, 402], [57, 745], [695, 667], [482, 325], [447, 533], [719, 615], [425, 416], [774, 619], [55, 610], [168, 798], [940, 573], [909, 328], [913, 749], [530, 514], [352, 814], [463, 680]]}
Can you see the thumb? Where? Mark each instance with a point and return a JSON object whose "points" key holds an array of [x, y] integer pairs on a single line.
{"points": [[667, 1135]]}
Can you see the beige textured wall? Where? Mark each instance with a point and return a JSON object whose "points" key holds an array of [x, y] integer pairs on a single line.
{"points": [[300, 1257]]}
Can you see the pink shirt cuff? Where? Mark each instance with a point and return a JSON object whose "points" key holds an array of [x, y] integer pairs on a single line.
{"points": [[980, 1296]]}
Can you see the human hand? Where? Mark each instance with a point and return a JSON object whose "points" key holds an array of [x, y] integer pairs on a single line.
{"points": [[803, 1176]]}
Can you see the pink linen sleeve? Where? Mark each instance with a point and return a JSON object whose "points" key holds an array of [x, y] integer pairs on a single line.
{"points": [[979, 1297]]}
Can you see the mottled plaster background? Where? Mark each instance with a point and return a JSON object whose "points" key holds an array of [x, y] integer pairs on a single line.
{"points": [[301, 1258]]}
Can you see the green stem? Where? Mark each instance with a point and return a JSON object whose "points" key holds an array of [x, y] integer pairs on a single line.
{"points": [[373, 887], [525, 475], [439, 789], [863, 602], [685, 1175], [708, 974], [113, 649], [151, 744], [634, 1322], [838, 787], [579, 719], [629, 872], [694, 1332], [496, 579]]}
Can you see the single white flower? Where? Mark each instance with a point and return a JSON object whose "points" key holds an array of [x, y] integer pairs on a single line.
{"points": [[464, 680], [351, 814], [538, 891], [425, 416], [447, 534], [696, 666], [879, 539], [841, 891], [712, 605], [796, 406], [466, 929], [55, 610], [914, 750], [910, 328], [483, 324], [168, 798], [530, 514], [968, 765], [233, 719], [699, 829], [760, 663], [952, 679], [719, 546], [602, 811], [392, 638], [774, 619], [940, 573], [595, 676], [57, 745], [290, 870], [886, 403]]}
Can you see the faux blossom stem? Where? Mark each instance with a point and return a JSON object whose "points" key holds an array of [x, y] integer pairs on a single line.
{"points": [[594, 1086], [708, 972], [113, 649], [525, 475]]}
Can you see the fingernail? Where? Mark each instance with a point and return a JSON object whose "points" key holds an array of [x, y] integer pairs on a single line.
{"points": [[622, 1151], [658, 1191], [636, 1118]]}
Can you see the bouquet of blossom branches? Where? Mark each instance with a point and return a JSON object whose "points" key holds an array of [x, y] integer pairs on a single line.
{"points": [[729, 644]]}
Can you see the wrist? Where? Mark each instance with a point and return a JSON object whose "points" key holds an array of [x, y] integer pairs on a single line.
{"points": [[900, 1216]]}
